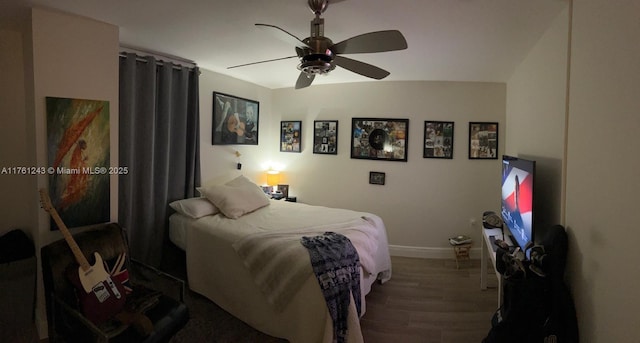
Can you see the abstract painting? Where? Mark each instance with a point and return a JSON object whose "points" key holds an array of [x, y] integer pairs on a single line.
{"points": [[78, 152]]}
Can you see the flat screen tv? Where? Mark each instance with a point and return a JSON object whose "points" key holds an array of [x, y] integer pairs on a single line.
{"points": [[518, 179]]}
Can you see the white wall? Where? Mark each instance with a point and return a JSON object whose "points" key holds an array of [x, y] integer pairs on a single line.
{"points": [[13, 134], [424, 201], [64, 56], [536, 106], [602, 168], [601, 158], [73, 57]]}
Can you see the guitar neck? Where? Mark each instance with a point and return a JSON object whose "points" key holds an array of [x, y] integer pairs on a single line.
{"points": [[80, 258]]}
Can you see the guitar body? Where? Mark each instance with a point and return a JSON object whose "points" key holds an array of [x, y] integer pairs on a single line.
{"points": [[105, 298], [93, 275]]}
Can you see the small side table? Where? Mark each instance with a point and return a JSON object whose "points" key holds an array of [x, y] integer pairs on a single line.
{"points": [[461, 252]]}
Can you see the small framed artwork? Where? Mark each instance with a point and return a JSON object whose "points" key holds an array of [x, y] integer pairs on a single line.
{"points": [[438, 139], [284, 189], [379, 139], [483, 140], [235, 120], [290, 136], [325, 137], [376, 178]]}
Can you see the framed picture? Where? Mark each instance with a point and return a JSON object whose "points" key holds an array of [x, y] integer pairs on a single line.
{"points": [[325, 137], [284, 189], [379, 139], [376, 178], [235, 120], [77, 145], [483, 140], [290, 136], [438, 139]]}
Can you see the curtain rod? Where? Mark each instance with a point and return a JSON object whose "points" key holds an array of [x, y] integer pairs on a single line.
{"points": [[158, 55]]}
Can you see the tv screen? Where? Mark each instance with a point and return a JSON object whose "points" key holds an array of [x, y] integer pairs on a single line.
{"points": [[517, 198]]}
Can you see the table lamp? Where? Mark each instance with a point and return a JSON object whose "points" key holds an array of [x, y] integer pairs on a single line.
{"points": [[273, 178]]}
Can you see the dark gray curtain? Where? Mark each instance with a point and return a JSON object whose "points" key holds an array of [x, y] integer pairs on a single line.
{"points": [[159, 143]]}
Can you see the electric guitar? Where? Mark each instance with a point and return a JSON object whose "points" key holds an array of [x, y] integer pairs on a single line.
{"points": [[100, 297]]}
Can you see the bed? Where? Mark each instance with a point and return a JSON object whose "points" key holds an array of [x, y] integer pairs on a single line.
{"points": [[276, 294]]}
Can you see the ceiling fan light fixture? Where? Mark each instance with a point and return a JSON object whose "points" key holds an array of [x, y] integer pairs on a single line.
{"points": [[316, 64], [316, 67]]}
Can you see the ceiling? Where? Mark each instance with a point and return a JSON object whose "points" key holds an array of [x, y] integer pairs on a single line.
{"points": [[452, 40]]}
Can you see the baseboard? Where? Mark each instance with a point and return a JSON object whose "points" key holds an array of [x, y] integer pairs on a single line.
{"points": [[422, 252], [41, 326]]}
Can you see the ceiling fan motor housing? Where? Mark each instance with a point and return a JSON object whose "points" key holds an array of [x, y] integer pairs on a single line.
{"points": [[318, 57]]}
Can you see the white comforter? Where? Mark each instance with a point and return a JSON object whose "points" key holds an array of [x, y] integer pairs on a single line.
{"points": [[279, 264], [216, 270]]}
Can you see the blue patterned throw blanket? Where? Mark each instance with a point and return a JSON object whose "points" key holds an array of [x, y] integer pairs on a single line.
{"points": [[336, 264]]}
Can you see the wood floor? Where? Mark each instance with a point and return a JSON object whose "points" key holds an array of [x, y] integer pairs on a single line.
{"points": [[426, 301], [429, 300]]}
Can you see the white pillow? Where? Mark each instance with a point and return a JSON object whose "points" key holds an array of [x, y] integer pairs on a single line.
{"points": [[219, 179], [194, 207], [236, 197]]}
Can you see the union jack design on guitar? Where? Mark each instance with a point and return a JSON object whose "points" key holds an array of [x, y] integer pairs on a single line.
{"points": [[119, 272]]}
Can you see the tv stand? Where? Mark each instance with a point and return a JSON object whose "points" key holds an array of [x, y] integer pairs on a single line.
{"points": [[488, 252]]}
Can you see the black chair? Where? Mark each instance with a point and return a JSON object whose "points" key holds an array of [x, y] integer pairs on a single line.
{"points": [[159, 296]]}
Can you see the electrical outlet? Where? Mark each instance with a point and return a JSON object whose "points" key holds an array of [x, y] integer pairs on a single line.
{"points": [[472, 222]]}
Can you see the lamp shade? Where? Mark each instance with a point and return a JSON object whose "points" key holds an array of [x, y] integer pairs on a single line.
{"points": [[273, 178]]}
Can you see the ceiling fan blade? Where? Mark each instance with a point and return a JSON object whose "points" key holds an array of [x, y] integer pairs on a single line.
{"points": [[361, 68], [304, 80], [283, 35], [248, 64], [378, 41]]}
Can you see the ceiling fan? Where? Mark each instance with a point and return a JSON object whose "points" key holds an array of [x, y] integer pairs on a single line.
{"points": [[319, 55]]}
